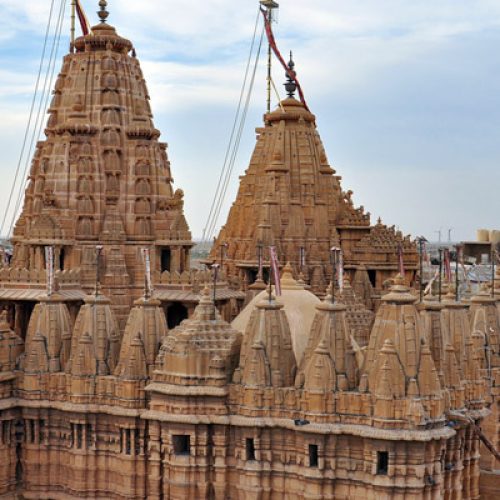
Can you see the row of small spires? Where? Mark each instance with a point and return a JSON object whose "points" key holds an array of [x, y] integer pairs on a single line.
{"points": [[399, 294], [397, 365]]}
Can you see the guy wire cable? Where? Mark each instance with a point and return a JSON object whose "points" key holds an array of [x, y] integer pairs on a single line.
{"points": [[28, 125], [235, 123], [39, 122]]}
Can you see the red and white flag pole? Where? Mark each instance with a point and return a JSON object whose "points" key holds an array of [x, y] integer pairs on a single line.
{"points": [[275, 269]]}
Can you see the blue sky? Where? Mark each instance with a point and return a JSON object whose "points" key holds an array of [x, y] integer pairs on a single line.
{"points": [[406, 96]]}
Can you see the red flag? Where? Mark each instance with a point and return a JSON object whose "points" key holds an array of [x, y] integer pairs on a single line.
{"points": [[277, 53], [84, 22], [275, 270]]}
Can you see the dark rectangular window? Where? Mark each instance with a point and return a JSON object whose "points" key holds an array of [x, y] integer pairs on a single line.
{"points": [[30, 431], [137, 442], [382, 463], [313, 455], [79, 436], [128, 446], [182, 444], [372, 275], [166, 257], [41, 431], [62, 256], [250, 449]]}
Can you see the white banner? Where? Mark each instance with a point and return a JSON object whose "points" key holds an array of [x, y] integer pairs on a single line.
{"points": [[49, 268], [146, 256]]}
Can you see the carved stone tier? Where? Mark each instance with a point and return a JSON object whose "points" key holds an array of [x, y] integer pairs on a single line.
{"points": [[290, 197]]}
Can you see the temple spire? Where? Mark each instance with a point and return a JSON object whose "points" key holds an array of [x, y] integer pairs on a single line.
{"points": [[103, 13]]}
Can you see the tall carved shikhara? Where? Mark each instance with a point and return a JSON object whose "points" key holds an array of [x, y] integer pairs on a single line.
{"points": [[91, 408], [102, 177]]}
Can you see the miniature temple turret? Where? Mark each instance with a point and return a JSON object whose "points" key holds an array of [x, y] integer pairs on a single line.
{"points": [[290, 197], [330, 333], [320, 374], [446, 329], [453, 379], [196, 363], [203, 350], [299, 306], [267, 357], [135, 366], [51, 320], [363, 287], [359, 318], [11, 346], [388, 381], [96, 334], [399, 362], [146, 326], [37, 358], [84, 362], [398, 321]]}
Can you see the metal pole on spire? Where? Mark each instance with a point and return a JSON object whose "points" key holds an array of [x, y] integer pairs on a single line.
{"points": [[270, 5], [73, 21]]}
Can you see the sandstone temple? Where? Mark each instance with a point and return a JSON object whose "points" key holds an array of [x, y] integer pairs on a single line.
{"points": [[291, 197], [125, 374]]}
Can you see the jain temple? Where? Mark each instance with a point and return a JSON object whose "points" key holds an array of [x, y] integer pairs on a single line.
{"points": [[127, 373]]}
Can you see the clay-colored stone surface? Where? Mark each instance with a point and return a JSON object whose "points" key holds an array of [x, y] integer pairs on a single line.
{"points": [[292, 198], [101, 399]]}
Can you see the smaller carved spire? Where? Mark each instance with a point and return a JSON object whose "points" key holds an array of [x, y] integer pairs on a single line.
{"points": [[329, 332], [268, 342], [97, 320], [147, 322], [290, 85], [11, 346], [320, 374], [136, 366], [85, 363], [388, 378], [37, 359], [103, 13]]}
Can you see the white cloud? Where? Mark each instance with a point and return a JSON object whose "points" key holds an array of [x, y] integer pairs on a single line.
{"points": [[193, 54]]}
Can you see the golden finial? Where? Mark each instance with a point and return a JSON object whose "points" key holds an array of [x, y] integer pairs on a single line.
{"points": [[103, 13]]}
